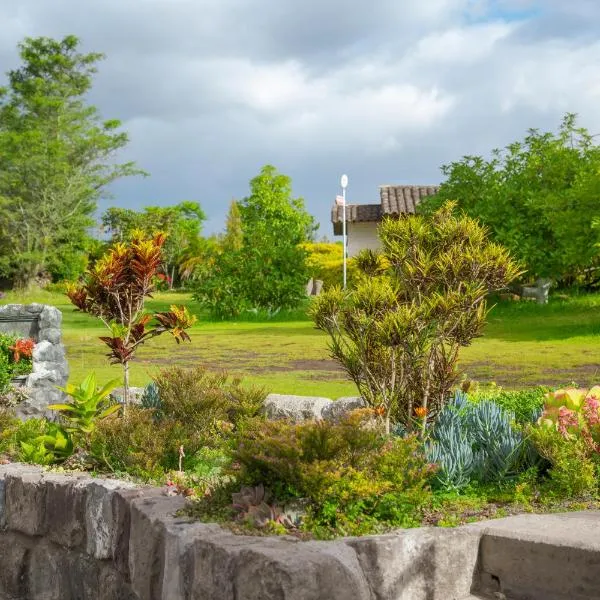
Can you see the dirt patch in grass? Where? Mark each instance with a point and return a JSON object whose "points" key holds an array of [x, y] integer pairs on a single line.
{"points": [[510, 376]]}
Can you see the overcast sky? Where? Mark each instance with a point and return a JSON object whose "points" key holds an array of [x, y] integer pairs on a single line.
{"points": [[384, 90]]}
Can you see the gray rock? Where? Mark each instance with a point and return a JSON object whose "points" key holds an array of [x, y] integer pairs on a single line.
{"points": [[135, 395], [106, 518], [432, 564], [341, 407], [294, 408], [25, 500]]}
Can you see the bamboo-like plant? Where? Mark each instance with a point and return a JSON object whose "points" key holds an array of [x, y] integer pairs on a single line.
{"points": [[115, 290], [419, 300]]}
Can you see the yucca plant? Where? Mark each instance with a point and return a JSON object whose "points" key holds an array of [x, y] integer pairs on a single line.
{"points": [[418, 301], [115, 291], [88, 405]]}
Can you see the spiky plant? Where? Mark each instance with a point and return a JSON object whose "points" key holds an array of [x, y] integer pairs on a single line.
{"points": [[419, 300]]}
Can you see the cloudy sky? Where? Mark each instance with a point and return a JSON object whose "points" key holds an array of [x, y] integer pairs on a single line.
{"points": [[385, 90]]}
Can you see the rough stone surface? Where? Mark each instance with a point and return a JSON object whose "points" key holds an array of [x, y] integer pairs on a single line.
{"points": [[135, 394], [75, 537], [341, 407], [50, 368], [294, 408], [551, 557]]}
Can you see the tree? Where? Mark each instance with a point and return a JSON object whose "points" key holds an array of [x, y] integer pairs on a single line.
{"points": [[57, 156], [274, 225], [234, 236], [398, 333], [261, 264], [181, 223], [538, 198], [115, 291]]}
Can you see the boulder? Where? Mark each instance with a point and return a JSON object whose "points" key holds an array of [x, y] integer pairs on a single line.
{"points": [[341, 407], [294, 408]]}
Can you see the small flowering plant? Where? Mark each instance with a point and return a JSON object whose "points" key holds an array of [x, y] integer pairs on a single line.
{"points": [[574, 413]]}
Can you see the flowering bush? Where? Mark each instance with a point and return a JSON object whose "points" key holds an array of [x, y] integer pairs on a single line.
{"points": [[15, 358], [574, 413]]}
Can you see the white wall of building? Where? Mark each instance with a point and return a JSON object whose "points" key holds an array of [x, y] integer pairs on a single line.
{"points": [[360, 236]]}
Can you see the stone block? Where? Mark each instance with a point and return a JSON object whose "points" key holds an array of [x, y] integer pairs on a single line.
{"points": [[25, 500], [50, 334], [14, 556], [64, 513], [50, 317], [554, 557], [150, 514], [294, 408], [48, 574], [106, 517], [419, 564]]}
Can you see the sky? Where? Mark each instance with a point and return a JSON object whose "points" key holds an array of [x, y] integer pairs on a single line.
{"points": [[386, 91]]}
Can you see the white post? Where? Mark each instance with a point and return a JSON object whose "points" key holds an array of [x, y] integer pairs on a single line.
{"points": [[344, 183]]}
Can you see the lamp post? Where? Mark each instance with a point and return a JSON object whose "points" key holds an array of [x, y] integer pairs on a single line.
{"points": [[344, 184]]}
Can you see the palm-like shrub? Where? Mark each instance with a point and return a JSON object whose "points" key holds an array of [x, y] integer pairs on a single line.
{"points": [[419, 300]]}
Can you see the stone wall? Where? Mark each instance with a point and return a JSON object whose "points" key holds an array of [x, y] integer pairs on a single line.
{"points": [[79, 538], [50, 369]]}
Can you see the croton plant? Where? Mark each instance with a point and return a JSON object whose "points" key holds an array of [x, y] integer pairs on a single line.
{"points": [[115, 290], [574, 412]]}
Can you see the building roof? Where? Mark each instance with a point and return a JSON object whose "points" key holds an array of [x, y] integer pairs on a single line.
{"points": [[395, 200]]}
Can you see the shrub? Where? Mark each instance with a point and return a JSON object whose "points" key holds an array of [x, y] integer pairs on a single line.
{"points": [[475, 443], [89, 404], [572, 471], [575, 414], [203, 401], [354, 477], [133, 443], [526, 405], [399, 332]]}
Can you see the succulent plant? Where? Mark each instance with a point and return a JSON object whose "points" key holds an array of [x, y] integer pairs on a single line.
{"points": [[151, 400], [252, 505], [475, 442]]}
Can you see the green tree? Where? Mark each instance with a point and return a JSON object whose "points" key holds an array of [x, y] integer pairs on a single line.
{"points": [[260, 261], [274, 225], [57, 156], [234, 236], [181, 223], [538, 197]]}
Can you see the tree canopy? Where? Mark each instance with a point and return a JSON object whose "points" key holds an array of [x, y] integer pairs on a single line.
{"points": [[57, 156], [539, 198]]}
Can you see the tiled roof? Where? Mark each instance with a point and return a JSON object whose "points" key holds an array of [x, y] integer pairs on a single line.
{"points": [[403, 199], [395, 200]]}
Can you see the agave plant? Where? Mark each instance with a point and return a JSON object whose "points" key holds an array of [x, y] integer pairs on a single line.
{"points": [[252, 505], [88, 405]]}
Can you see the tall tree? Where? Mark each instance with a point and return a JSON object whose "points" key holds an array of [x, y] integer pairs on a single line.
{"points": [[234, 237], [274, 225], [57, 156], [181, 223], [538, 197]]}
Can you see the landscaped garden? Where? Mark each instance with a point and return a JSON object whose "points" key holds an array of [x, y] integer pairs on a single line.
{"points": [[451, 412], [421, 446]]}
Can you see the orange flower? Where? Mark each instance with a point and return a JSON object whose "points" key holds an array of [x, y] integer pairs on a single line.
{"points": [[22, 347], [421, 412]]}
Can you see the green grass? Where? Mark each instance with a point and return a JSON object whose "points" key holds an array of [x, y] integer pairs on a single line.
{"points": [[524, 344]]}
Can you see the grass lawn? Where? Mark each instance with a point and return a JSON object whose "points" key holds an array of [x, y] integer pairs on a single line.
{"points": [[524, 344]]}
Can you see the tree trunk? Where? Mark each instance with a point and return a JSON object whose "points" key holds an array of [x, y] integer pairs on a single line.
{"points": [[126, 384]]}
